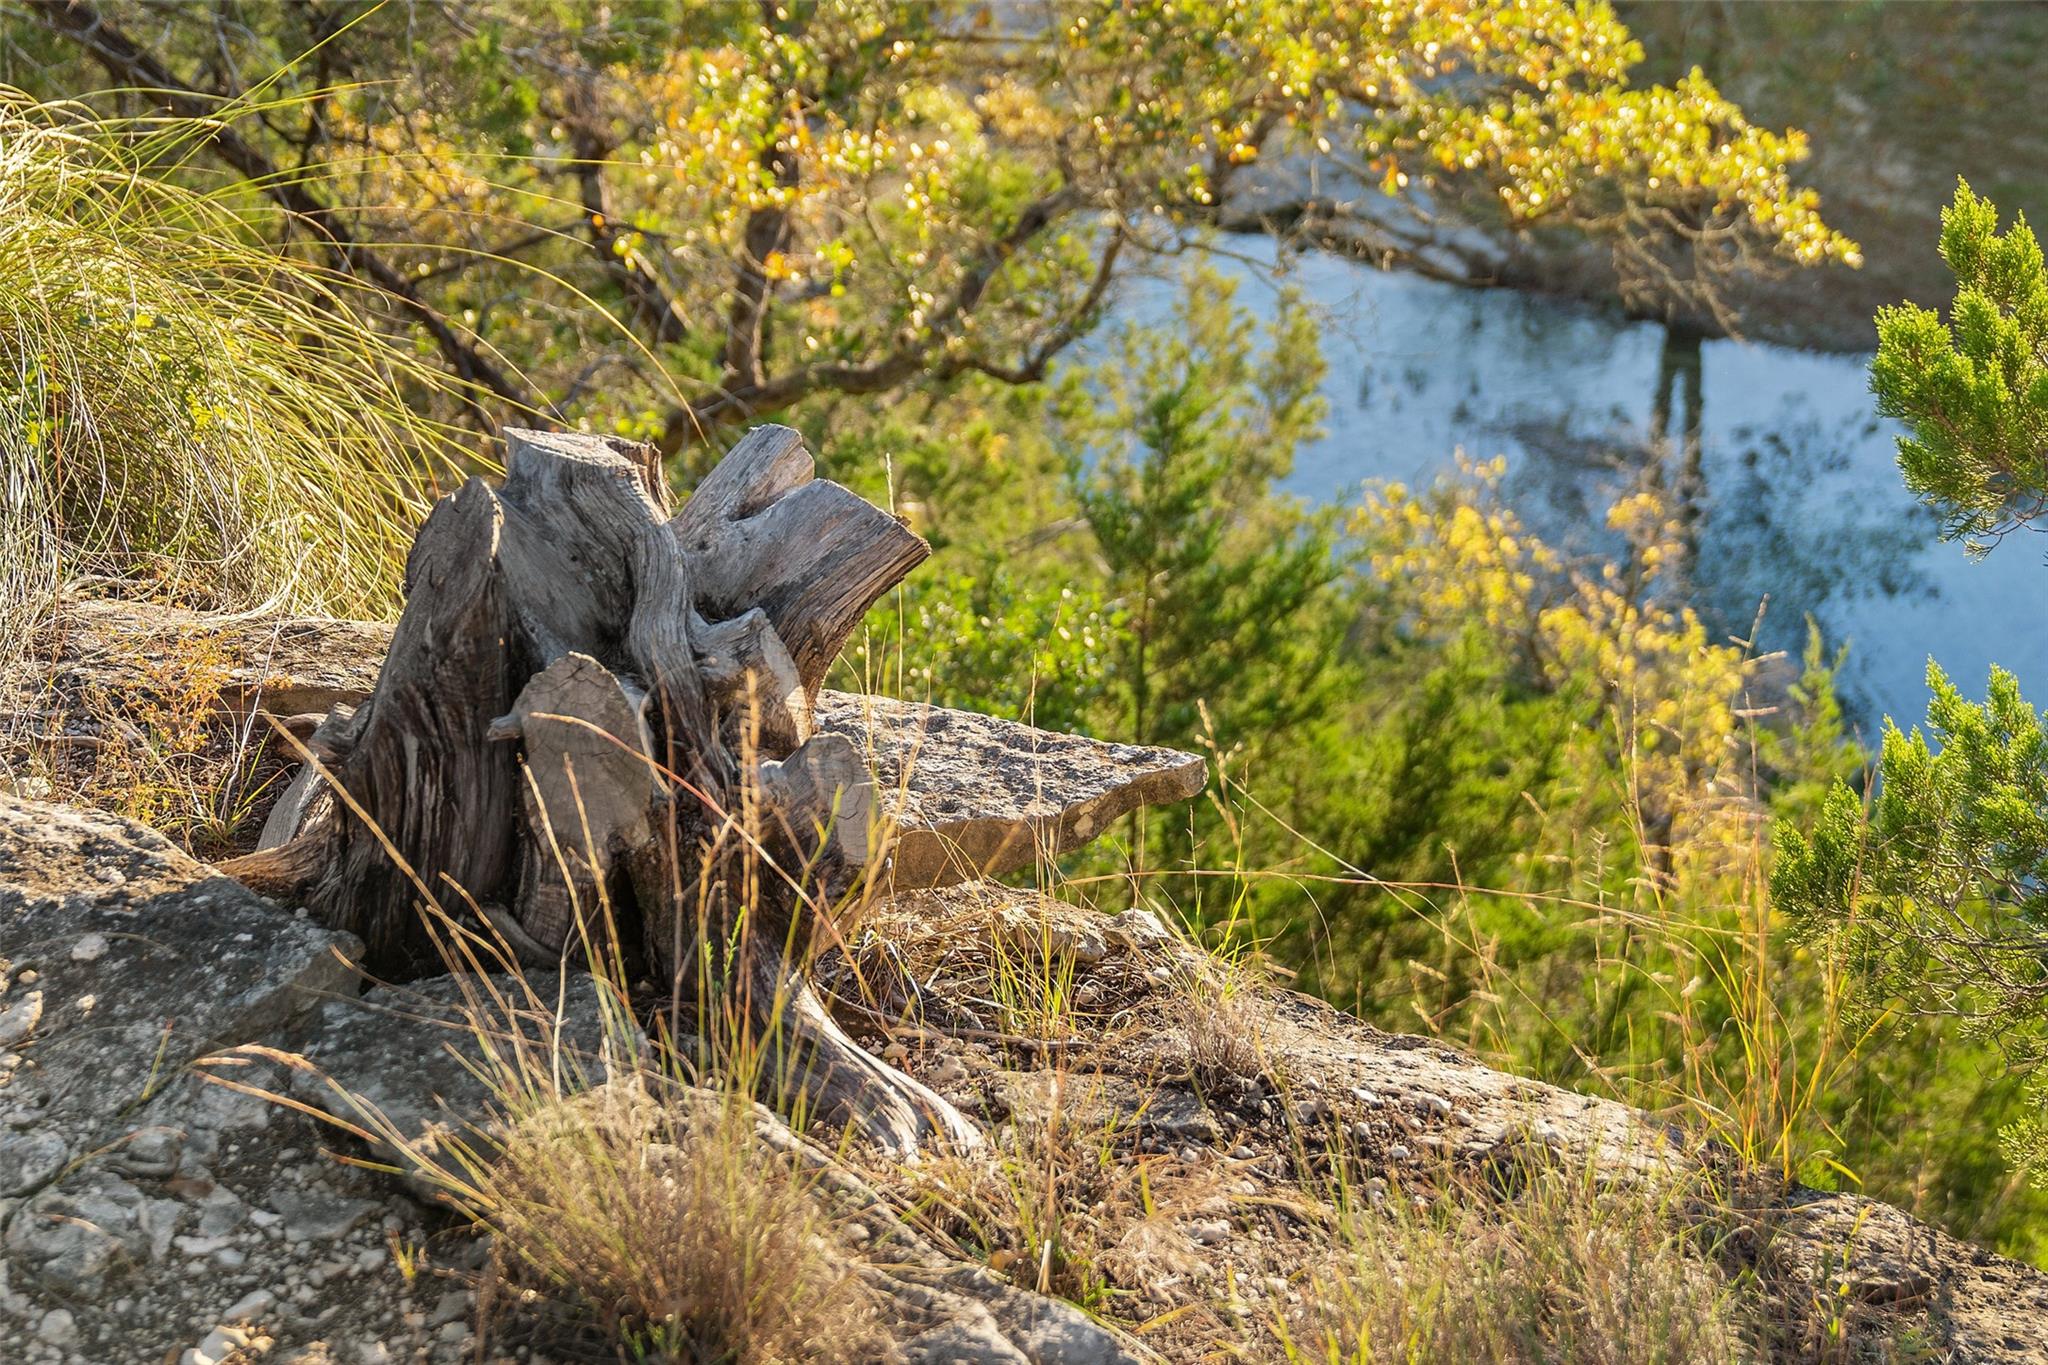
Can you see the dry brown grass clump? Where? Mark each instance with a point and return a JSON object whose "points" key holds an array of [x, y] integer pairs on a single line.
{"points": [[685, 1235], [165, 754], [1566, 1269], [1222, 1021], [1059, 1204]]}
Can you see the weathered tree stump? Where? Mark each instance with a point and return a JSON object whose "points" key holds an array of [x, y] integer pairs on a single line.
{"points": [[596, 717]]}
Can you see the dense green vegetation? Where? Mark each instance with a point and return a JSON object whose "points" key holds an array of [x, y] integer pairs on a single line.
{"points": [[1467, 782], [1934, 889]]}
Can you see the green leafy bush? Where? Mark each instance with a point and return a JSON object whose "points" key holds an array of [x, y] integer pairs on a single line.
{"points": [[1932, 889]]}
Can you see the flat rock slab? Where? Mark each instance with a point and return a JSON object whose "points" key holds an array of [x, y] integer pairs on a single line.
{"points": [[287, 665], [121, 960], [435, 1061], [973, 796]]}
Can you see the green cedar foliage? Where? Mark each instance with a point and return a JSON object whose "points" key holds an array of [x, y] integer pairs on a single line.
{"points": [[1935, 889], [1225, 587], [1973, 390], [1935, 892]]}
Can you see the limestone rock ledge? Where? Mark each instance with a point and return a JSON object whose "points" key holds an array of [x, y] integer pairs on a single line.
{"points": [[150, 1212], [966, 795], [154, 1214]]}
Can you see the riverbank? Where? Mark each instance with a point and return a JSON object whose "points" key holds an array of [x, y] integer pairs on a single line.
{"points": [[1898, 101]]}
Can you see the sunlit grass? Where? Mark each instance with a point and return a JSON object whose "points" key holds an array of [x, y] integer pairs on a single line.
{"points": [[1565, 1268], [183, 407]]}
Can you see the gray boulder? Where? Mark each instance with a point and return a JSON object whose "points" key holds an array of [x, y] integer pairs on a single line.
{"points": [[121, 961], [436, 1060]]}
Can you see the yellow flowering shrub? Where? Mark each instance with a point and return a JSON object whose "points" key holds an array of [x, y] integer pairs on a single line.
{"points": [[1670, 698]]}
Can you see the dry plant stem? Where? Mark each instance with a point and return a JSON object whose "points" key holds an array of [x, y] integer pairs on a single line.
{"points": [[894, 1026], [561, 622]]}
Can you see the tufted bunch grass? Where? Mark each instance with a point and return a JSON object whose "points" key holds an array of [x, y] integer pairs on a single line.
{"points": [[184, 407], [1567, 1267]]}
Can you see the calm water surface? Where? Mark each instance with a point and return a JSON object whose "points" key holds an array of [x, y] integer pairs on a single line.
{"points": [[1777, 455]]}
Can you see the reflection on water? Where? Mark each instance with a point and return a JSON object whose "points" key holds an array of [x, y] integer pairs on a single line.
{"points": [[1776, 458]]}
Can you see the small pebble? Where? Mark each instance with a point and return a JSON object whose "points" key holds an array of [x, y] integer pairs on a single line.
{"points": [[58, 1327], [199, 1246], [219, 1345], [250, 1305]]}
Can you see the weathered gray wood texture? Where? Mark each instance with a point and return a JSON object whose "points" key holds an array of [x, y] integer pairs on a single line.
{"points": [[599, 717]]}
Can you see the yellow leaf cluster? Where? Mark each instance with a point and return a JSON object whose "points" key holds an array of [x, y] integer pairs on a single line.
{"points": [[1666, 699]]}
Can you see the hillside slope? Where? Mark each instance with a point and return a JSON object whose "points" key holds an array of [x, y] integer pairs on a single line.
{"points": [[1186, 1153]]}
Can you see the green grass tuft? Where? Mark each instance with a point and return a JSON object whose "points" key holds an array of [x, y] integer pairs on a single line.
{"points": [[183, 407]]}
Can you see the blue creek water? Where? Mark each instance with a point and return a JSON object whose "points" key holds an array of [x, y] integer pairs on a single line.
{"points": [[1778, 455]]}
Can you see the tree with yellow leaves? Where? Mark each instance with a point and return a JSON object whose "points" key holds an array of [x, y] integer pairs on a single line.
{"points": [[841, 197]]}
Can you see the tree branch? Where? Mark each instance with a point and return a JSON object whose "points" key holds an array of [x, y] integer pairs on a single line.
{"points": [[654, 311], [767, 232], [746, 400], [1064, 334], [127, 60]]}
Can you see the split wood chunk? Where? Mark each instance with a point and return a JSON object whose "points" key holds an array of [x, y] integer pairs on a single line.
{"points": [[590, 794], [822, 798], [747, 667], [575, 507], [431, 808], [760, 531]]}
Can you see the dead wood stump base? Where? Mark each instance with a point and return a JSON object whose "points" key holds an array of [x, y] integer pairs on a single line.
{"points": [[595, 717]]}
